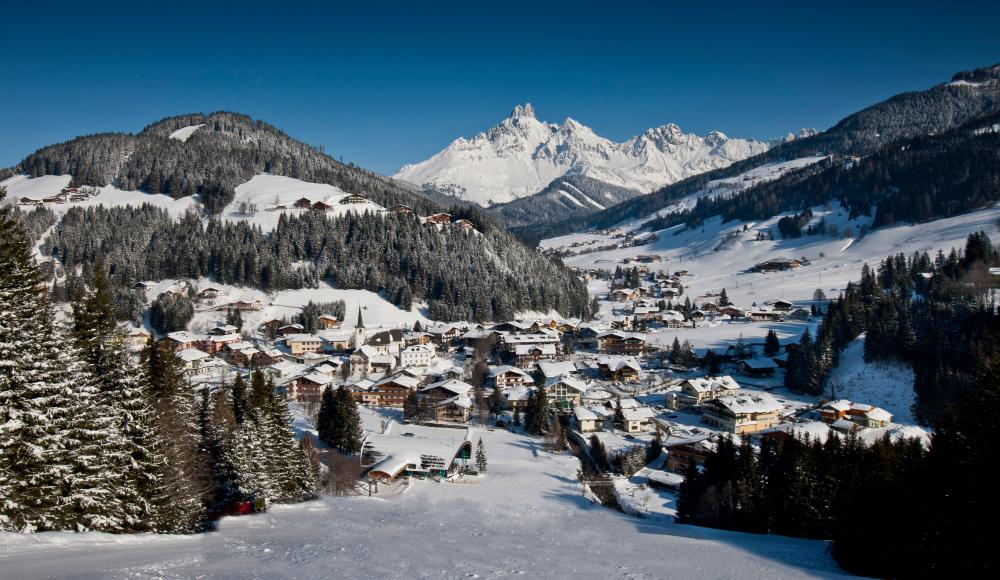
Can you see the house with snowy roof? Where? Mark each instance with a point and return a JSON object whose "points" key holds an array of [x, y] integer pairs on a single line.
{"points": [[619, 368], [507, 376], [743, 413], [698, 390]]}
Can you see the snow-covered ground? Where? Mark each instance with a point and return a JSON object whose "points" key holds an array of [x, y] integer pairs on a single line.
{"points": [[718, 254], [268, 191], [184, 133], [883, 384], [48, 185], [527, 517]]}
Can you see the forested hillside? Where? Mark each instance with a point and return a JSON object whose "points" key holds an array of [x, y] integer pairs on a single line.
{"points": [[476, 275], [568, 196], [227, 150]]}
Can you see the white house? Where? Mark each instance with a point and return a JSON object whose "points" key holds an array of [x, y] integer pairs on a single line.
{"points": [[418, 355]]}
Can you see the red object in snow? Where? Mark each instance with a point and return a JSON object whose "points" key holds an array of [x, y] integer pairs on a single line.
{"points": [[243, 508]]}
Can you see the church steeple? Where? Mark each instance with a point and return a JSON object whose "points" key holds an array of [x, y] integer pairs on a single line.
{"points": [[359, 331]]}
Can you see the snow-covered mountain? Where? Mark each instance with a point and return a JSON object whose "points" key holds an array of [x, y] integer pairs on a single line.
{"points": [[522, 155]]}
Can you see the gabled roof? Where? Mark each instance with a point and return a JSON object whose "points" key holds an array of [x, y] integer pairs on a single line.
{"points": [[616, 363], [453, 385]]}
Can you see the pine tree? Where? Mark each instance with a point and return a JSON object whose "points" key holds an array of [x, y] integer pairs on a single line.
{"points": [[326, 426], [599, 453], [619, 416], [771, 345], [496, 402], [123, 396], [187, 480], [480, 457], [54, 472]]}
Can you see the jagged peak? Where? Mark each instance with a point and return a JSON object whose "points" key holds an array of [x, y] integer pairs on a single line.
{"points": [[525, 110]]}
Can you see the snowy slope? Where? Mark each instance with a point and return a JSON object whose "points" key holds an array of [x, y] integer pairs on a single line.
{"points": [[522, 155], [184, 133], [110, 196], [526, 518], [273, 195], [718, 254], [885, 385]]}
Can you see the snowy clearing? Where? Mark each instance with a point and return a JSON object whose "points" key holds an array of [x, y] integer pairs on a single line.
{"points": [[184, 133]]}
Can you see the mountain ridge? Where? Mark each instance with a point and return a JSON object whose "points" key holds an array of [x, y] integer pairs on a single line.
{"points": [[521, 156]]}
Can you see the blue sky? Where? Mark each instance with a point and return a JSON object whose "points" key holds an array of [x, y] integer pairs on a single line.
{"points": [[388, 83]]}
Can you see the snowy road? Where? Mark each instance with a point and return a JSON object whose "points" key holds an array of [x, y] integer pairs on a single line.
{"points": [[526, 518]]}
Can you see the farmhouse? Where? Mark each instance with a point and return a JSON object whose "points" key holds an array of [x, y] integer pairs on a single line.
{"points": [[757, 367], [618, 342], [622, 369]]}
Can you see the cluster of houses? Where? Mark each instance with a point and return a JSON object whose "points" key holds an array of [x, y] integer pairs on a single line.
{"points": [[66, 195]]}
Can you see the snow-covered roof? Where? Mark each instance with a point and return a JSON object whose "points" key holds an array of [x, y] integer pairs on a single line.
{"points": [[575, 384], [185, 336], [504, 369], [557, 369], [524, 349], [616, 363], [454, 385], [639, 414], [419, 348], [709, 384], [302, 338], [743, 404], [192, 355], [584, 414]]}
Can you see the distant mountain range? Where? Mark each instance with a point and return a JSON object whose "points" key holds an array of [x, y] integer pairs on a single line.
{"points": [[915, 114], [522, 156]]}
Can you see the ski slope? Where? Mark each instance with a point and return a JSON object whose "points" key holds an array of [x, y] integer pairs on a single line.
{"points": [[526, 518]]}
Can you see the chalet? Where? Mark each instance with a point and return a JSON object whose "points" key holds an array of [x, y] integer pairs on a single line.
{"points": [[449, 400], [290, 329], [309, 387], [777, 265], [517, 398], [241, 353], [246, 304], [271, 326], [567, 393], [465, 225], [673, 318], [586, 336], [782, 305], [136, 338], [757, 367], [214, 343], [29, 201], [743, 413], [363, 393], [444, 334], [183, 339], [508, 376], [439, 218], [268, 356], [623, 294], [697, 391], [710, 307], [54, 199], [303, 203], [299, 344], [648, 258], [223, 329], [621, 369], [353, 198], [682, 454], [193, 360], [763, 314], [393, 391], [617, 342], [733, 312], [452, 410], [78, 197], [511, 326], [418, 355], [527, 354], [412, 338], [326, 321], [210, 293], [862, 414], [399, 208]]}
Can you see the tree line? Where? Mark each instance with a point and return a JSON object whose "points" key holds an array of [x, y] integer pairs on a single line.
{"points": [[462, 276]]}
